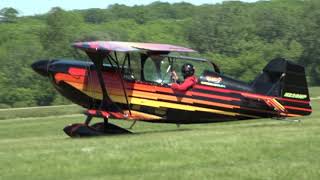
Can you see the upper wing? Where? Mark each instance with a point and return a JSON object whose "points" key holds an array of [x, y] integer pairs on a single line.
{"points": [[119, 46]]}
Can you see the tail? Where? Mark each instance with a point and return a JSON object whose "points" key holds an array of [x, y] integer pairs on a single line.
{"points": [[283, 78]]}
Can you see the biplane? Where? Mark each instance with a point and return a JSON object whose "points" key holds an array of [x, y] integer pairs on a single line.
{"points": [[131, 81]]}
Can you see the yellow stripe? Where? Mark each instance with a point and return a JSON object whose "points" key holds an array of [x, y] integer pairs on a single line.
{"points": [[142, 115], [158, 104], [280, 105]]}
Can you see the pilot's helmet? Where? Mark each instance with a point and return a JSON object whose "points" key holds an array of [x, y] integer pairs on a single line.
{"points": [[187, 70]]}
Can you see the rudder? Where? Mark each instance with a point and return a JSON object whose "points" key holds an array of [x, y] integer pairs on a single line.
{"points": [[283, 78]]}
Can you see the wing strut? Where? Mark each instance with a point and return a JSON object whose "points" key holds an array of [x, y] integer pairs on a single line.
{"points": [[97, 59], [121, 78], [122, 82]]}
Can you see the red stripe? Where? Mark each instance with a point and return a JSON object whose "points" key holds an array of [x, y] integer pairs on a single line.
{"points": [[297, 108], [294, 100], [240, 92], [258, 110], [77, 71]]}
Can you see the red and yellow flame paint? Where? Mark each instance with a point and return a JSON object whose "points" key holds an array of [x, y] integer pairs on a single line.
{"points": [[140, 93]]}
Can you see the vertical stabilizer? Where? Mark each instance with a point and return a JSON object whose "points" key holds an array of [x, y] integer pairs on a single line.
{"points": [[283, 78]]}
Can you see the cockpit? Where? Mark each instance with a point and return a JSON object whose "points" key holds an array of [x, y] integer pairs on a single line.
{"points": [[156, 68]]}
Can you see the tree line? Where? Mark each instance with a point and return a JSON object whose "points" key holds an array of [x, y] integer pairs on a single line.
{"points": [[240, 37]]}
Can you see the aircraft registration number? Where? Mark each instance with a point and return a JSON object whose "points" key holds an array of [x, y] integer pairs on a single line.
{"points": [[295, 95]]}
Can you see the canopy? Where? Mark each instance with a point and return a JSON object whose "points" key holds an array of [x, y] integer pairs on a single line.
{"points": [[128, 46]]}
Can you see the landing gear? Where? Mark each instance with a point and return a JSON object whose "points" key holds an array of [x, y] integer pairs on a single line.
{"points": [[97, 129]]}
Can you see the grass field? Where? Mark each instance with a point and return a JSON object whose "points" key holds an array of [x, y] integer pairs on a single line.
{"points": [[42, 111], [314, 92], [36, 148]]}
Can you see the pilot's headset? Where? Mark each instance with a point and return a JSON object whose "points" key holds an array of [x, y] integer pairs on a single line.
{"points": [[187, 70]]}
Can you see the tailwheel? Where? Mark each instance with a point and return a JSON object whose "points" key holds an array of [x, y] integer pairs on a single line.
{"points": [[97, 129]]}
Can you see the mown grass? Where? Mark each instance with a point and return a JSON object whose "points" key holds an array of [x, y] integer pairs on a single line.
{"points": [[41, 111], [36, 148]]}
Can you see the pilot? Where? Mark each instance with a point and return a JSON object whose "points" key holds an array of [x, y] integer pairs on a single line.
{"points": [[190, 79]]}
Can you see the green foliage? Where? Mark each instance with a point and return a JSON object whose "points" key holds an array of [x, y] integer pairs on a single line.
{"points": [[9, 14], [243, 37], [62, 28], [240, 37], [97, 16], [311, 41]]}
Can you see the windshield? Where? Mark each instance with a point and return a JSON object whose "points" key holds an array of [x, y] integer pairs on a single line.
{"points": [[158, 69]]}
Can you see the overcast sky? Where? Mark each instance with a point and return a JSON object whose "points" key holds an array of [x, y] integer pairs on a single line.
{"points": [[31, 7]]}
